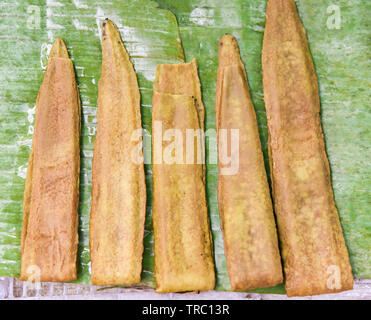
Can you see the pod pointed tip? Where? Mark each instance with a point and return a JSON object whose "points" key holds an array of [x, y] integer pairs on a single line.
{"points": [[229, 52], [59, 49], [105, 22], [109, 28], [110, 34]]}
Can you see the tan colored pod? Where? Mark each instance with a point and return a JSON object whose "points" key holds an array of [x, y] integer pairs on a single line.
{"points": [[245, 205], [119, 193], [182, 79], [51, 198], [183, 242], [313, 249]]}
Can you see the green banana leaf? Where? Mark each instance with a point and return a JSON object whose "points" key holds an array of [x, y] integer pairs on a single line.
{"points": [[338, 34], [152, 36]]}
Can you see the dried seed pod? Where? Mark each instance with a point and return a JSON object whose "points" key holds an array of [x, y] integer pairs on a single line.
{"points": [[313, 250], [50, 223], [245, 205], [119, 193], [183, 242]]}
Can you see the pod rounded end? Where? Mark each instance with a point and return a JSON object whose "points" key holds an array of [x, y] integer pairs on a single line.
{"points": [[229, 52]]}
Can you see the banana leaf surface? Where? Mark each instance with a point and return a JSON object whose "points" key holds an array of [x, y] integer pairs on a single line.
{"points": [[151, 36]]}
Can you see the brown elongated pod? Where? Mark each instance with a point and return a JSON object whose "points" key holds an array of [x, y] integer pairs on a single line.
{"points": [[245, 206], [51, 198], [312, 245], [183, 242], [119, 192]]}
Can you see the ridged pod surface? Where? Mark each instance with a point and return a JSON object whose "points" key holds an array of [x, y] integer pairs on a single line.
{"points": [[183, 242], [118, 188], [51, 197], [312, 245], [245, 205]]}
